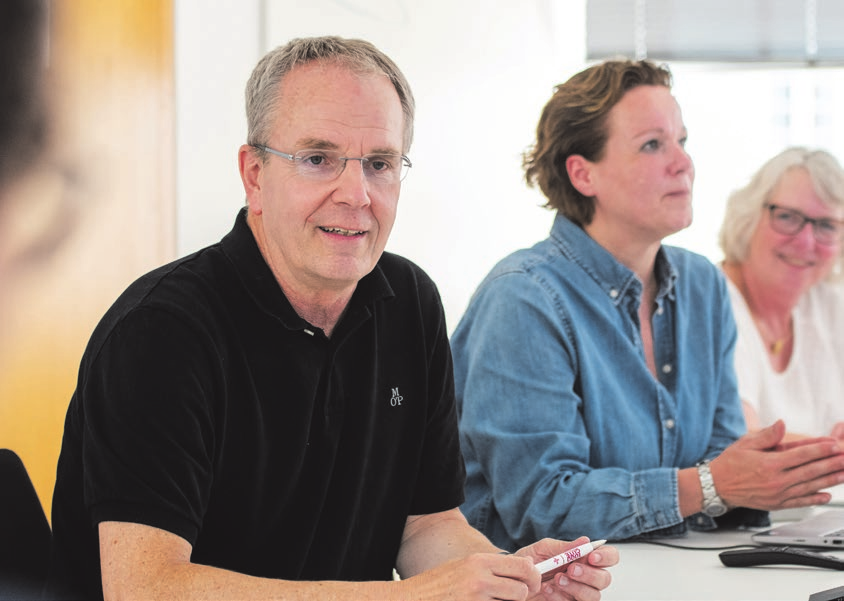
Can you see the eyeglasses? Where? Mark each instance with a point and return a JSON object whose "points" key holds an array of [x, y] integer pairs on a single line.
{"points": [[789, 222], [326, 165]]}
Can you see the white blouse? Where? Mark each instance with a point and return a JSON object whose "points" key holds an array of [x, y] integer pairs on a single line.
{"points": [[809, 393]]}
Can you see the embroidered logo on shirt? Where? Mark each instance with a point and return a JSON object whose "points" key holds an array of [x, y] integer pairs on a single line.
{"points": [[396, 399]]}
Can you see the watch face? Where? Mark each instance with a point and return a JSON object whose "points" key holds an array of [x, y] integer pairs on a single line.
{"points": [[714, 510]]}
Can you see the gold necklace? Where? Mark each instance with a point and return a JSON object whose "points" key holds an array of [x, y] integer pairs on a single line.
{"points": [[777, 345]]}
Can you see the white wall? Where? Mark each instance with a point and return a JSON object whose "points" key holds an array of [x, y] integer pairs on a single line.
{"points": [[216, 46]]}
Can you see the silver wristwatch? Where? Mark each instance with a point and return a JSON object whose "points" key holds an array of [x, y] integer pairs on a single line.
{"points": [[713, 506]]}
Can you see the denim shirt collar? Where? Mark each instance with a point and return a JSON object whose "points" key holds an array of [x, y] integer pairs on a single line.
{"points": [[616, 280]]}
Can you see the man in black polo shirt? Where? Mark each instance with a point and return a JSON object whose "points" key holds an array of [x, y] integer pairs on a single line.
{"points": [[273, 416]]}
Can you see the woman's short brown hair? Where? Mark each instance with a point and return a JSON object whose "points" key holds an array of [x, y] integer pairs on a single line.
{"points": [[573, 122]]}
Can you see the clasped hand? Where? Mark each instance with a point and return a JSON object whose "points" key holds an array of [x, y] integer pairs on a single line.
{"points": [[760, 471]]}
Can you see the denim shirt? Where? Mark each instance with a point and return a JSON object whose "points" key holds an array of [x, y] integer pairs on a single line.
{"points": [[564, 429]]}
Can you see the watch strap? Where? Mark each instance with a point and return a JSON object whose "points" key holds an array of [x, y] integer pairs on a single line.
{"points": [[713, 505]]}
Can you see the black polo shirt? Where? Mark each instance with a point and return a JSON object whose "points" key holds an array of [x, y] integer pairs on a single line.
{"points": [[205, 406]]}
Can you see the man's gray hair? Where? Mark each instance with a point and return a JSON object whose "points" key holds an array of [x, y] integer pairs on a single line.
{"points": [[263, 88]]}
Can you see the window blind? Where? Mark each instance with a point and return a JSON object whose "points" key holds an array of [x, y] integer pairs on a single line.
{"points": [[777, 31]]}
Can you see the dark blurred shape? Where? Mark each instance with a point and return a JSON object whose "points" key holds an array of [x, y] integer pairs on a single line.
{"points": [[24, 532], [23, 110]]}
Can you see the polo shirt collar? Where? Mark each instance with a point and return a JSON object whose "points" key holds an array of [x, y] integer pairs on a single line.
{"points": [[258, 280]]}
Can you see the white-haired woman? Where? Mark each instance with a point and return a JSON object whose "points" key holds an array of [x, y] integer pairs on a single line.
{"points": [[782, 242]]}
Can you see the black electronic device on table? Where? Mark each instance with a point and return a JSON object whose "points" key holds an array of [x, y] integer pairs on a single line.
{"points": [[764, 556], [833, 594]]}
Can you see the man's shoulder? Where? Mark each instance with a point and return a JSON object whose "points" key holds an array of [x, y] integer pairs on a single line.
{"points": [[408, 292], [179, 280], [181, 291], [393, 261], [401, 271]]}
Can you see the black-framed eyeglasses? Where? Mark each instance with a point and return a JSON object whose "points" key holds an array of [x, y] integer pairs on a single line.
{"points": [[325, 165], [789, 222]]}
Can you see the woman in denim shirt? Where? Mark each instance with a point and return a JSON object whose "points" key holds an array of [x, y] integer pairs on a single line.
{"points": [[594, 371]]}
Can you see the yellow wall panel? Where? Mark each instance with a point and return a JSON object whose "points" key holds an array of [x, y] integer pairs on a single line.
{"points": [[105, 201]]}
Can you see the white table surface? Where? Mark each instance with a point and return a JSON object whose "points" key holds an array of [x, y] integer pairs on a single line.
{"points": [[655, 573]]}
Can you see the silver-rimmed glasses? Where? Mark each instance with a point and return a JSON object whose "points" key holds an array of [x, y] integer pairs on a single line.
{"points": [[326, 165], [789, 222]]}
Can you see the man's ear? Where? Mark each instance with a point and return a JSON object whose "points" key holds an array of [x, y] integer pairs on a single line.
{"points": [[580, 174], [251, 170]]}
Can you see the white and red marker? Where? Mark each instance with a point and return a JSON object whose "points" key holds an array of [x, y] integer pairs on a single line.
{"points": [[552, 565]]}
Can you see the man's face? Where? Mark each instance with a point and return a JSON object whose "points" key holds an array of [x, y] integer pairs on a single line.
{"points": [[323, 236]]}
